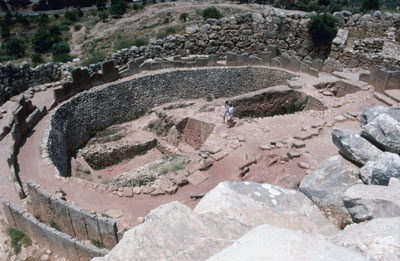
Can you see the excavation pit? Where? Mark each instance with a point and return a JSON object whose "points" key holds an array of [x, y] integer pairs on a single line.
{"points": [[338, 88]]}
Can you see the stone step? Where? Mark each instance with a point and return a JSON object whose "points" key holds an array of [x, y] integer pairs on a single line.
{"points": [[394, 94], [385, 99]]}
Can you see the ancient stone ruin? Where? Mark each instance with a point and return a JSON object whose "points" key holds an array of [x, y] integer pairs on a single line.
{"points": [[130, 160]]}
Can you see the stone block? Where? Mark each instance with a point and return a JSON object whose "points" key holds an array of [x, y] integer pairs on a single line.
{"points": [[273, 50], [177, 58], [167, 64], [33, 119], [395, 68], [232, 59], [179, 64], [201, 62], [145, 66], [109, 71], [393, 81], [58, 94], [286, 61], [81, 78], [317, 64], [92, 227], [295, 63], [328, 66], [155, 65], [108, 230], [314, 72], [140, 60], [78, 222], [20, 114], [69, 89], [353, 63], [379, 79], [276, 62], [96, 79], [189, 64], [87, 251], [16, 136], [36, 230], [364, 77], [61, 215], [64, 243], [254, 60], [305, 68], [18, 218], [243, 59], [34, 197], [8, 215], [265, 58], [212, 60]]}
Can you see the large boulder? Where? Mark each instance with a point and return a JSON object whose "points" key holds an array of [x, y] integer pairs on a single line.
{"points": [[384, 132], [255, 204], [371, 113], [365, 202], [378, 239], [354, 147], [175, 232], [379, 171], [268, 242], [326, 185]]}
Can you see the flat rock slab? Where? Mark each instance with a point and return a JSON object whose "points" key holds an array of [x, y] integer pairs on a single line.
{"points": [[379, 171], [304, 135], [354, 147], [197, 178], [371, 113], [219, 155], [394, 94], [268, 242], [326, 185], [255, 204], [378, 239], [365, 202]]}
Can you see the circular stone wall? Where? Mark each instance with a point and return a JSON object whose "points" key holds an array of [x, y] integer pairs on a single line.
{"points": [[100, 108]]}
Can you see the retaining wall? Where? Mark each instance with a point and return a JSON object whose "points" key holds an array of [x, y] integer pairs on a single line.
{"points": [[120, 102], [74, 221], [49, 237], [383, 79]]}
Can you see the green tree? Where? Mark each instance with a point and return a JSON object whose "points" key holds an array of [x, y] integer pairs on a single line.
{"points": [[4, 29], [42, 41], [60, 48], [368, 5], [211, 12], [118, 7], [183, 17], [14, 47], [322, 29]]}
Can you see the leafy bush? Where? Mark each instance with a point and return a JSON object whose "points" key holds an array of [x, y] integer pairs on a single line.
{"points": [[4, 29], [60, 48], [118, 7], [36, 59], [17, 238], [183, 17], [22, 20], [322, 29], [211, 12], [103, 15], [167, 31], [14, 48], [97, 243], [77, 27], [72, 16], [140, 42], [43, 19], [67, 22], [368, 5], [62, 58], [42, 41]]}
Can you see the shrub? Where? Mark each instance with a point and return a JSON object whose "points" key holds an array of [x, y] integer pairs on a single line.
{"points": [[62, 58], [14, 48], [64, 27], [4, 29], [368, 5], [43, 19], [167, 31], [67, 22], [60, 48], [36, 59], [184, 17], [118, 7], [123, 43], [72, 16], [94, 58], [211, 12], [97, 243], [42, 41], [22, 20], [101, 4], [5, 58], [140, 42], [17, 238], [56, 16], [136, 7], [322, 29], [77, 27], [55, 225], [103, 15]]}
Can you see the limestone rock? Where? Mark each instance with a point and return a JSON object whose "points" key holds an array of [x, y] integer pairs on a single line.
{"points": [[174, 231], [269, 242], [355, 148], [384, 132], [326, 185], [365, 202], [379, 172], [378, 239], [371, 113], [256, 204]]}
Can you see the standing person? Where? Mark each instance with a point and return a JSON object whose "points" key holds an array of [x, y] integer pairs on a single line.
{"points": [[230, 116], [226, 110]]}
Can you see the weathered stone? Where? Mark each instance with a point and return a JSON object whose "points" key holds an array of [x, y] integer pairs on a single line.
{"points": [[284, 244], [110, 73], [378, 239], [365, 202], [197, 177], [370, 114], [355, 148], [380, 170], [327, 183], [384, 132]]}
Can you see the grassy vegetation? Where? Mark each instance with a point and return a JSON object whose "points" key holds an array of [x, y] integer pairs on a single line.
{"points": [[54, 225], [18, 238], [174, 165], [97, 243]]}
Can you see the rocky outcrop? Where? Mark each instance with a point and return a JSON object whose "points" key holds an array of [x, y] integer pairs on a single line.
{"points": [[256, 204], [380, 171], [326, 185], [370, 114], [268, 242], [378, 239], [384, 132], [366, 202], [354, 147]]}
